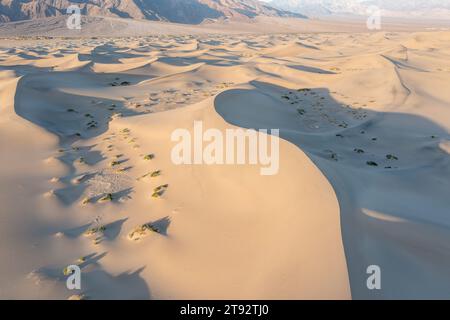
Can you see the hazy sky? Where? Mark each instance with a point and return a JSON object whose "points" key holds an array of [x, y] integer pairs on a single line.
{"points": [[407, 8], [410, 4], [422, 3]]}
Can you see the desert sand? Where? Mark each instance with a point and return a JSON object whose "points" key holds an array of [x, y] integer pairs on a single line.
{"points": [[85, 128], [100, 26]]}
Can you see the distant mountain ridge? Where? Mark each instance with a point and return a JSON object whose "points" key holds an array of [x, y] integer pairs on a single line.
{"points": [[179, 11], [398, 8]]}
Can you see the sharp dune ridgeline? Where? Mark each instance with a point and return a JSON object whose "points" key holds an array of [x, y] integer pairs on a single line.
{"points": [[87, 178]]}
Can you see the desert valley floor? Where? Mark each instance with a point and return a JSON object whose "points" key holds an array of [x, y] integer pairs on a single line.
{"points": [[364, 179]]}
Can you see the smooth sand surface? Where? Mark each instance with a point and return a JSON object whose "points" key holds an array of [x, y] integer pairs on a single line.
{"points": [[363, 180], [117, 27]]}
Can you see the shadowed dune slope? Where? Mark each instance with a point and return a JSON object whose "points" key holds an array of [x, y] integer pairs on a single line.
{"points": [[86, 175]]}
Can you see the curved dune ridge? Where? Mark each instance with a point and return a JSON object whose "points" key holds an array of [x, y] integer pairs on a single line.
{"points": [[87, 177]]}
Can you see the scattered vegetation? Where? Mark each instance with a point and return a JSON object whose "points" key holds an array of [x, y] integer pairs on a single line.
{"points": [[114, 163], [123, 83], [391, 157], [149, 157], [142, 231], [155, 173], [372, 163], [301, 111], [92, 124], [358, 150], [94, 231], [107, 197], [159, 191], [67, 271]]}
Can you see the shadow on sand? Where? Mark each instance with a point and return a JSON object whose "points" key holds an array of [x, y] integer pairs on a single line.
{"points": [[394, 214]]}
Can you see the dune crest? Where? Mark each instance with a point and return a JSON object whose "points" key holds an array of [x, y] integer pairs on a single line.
{"points": [[87, 176]]}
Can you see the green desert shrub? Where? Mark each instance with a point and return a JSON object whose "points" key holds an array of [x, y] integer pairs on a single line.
{"points": [[95, 230], [107, 197], [155, 173], [391, 157]]}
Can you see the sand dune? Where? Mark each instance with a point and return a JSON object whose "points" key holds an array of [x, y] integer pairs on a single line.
{"points": [[86, 174], [101, 26]]}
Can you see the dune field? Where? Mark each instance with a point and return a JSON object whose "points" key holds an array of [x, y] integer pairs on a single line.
{"points": [[86, 175]]}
